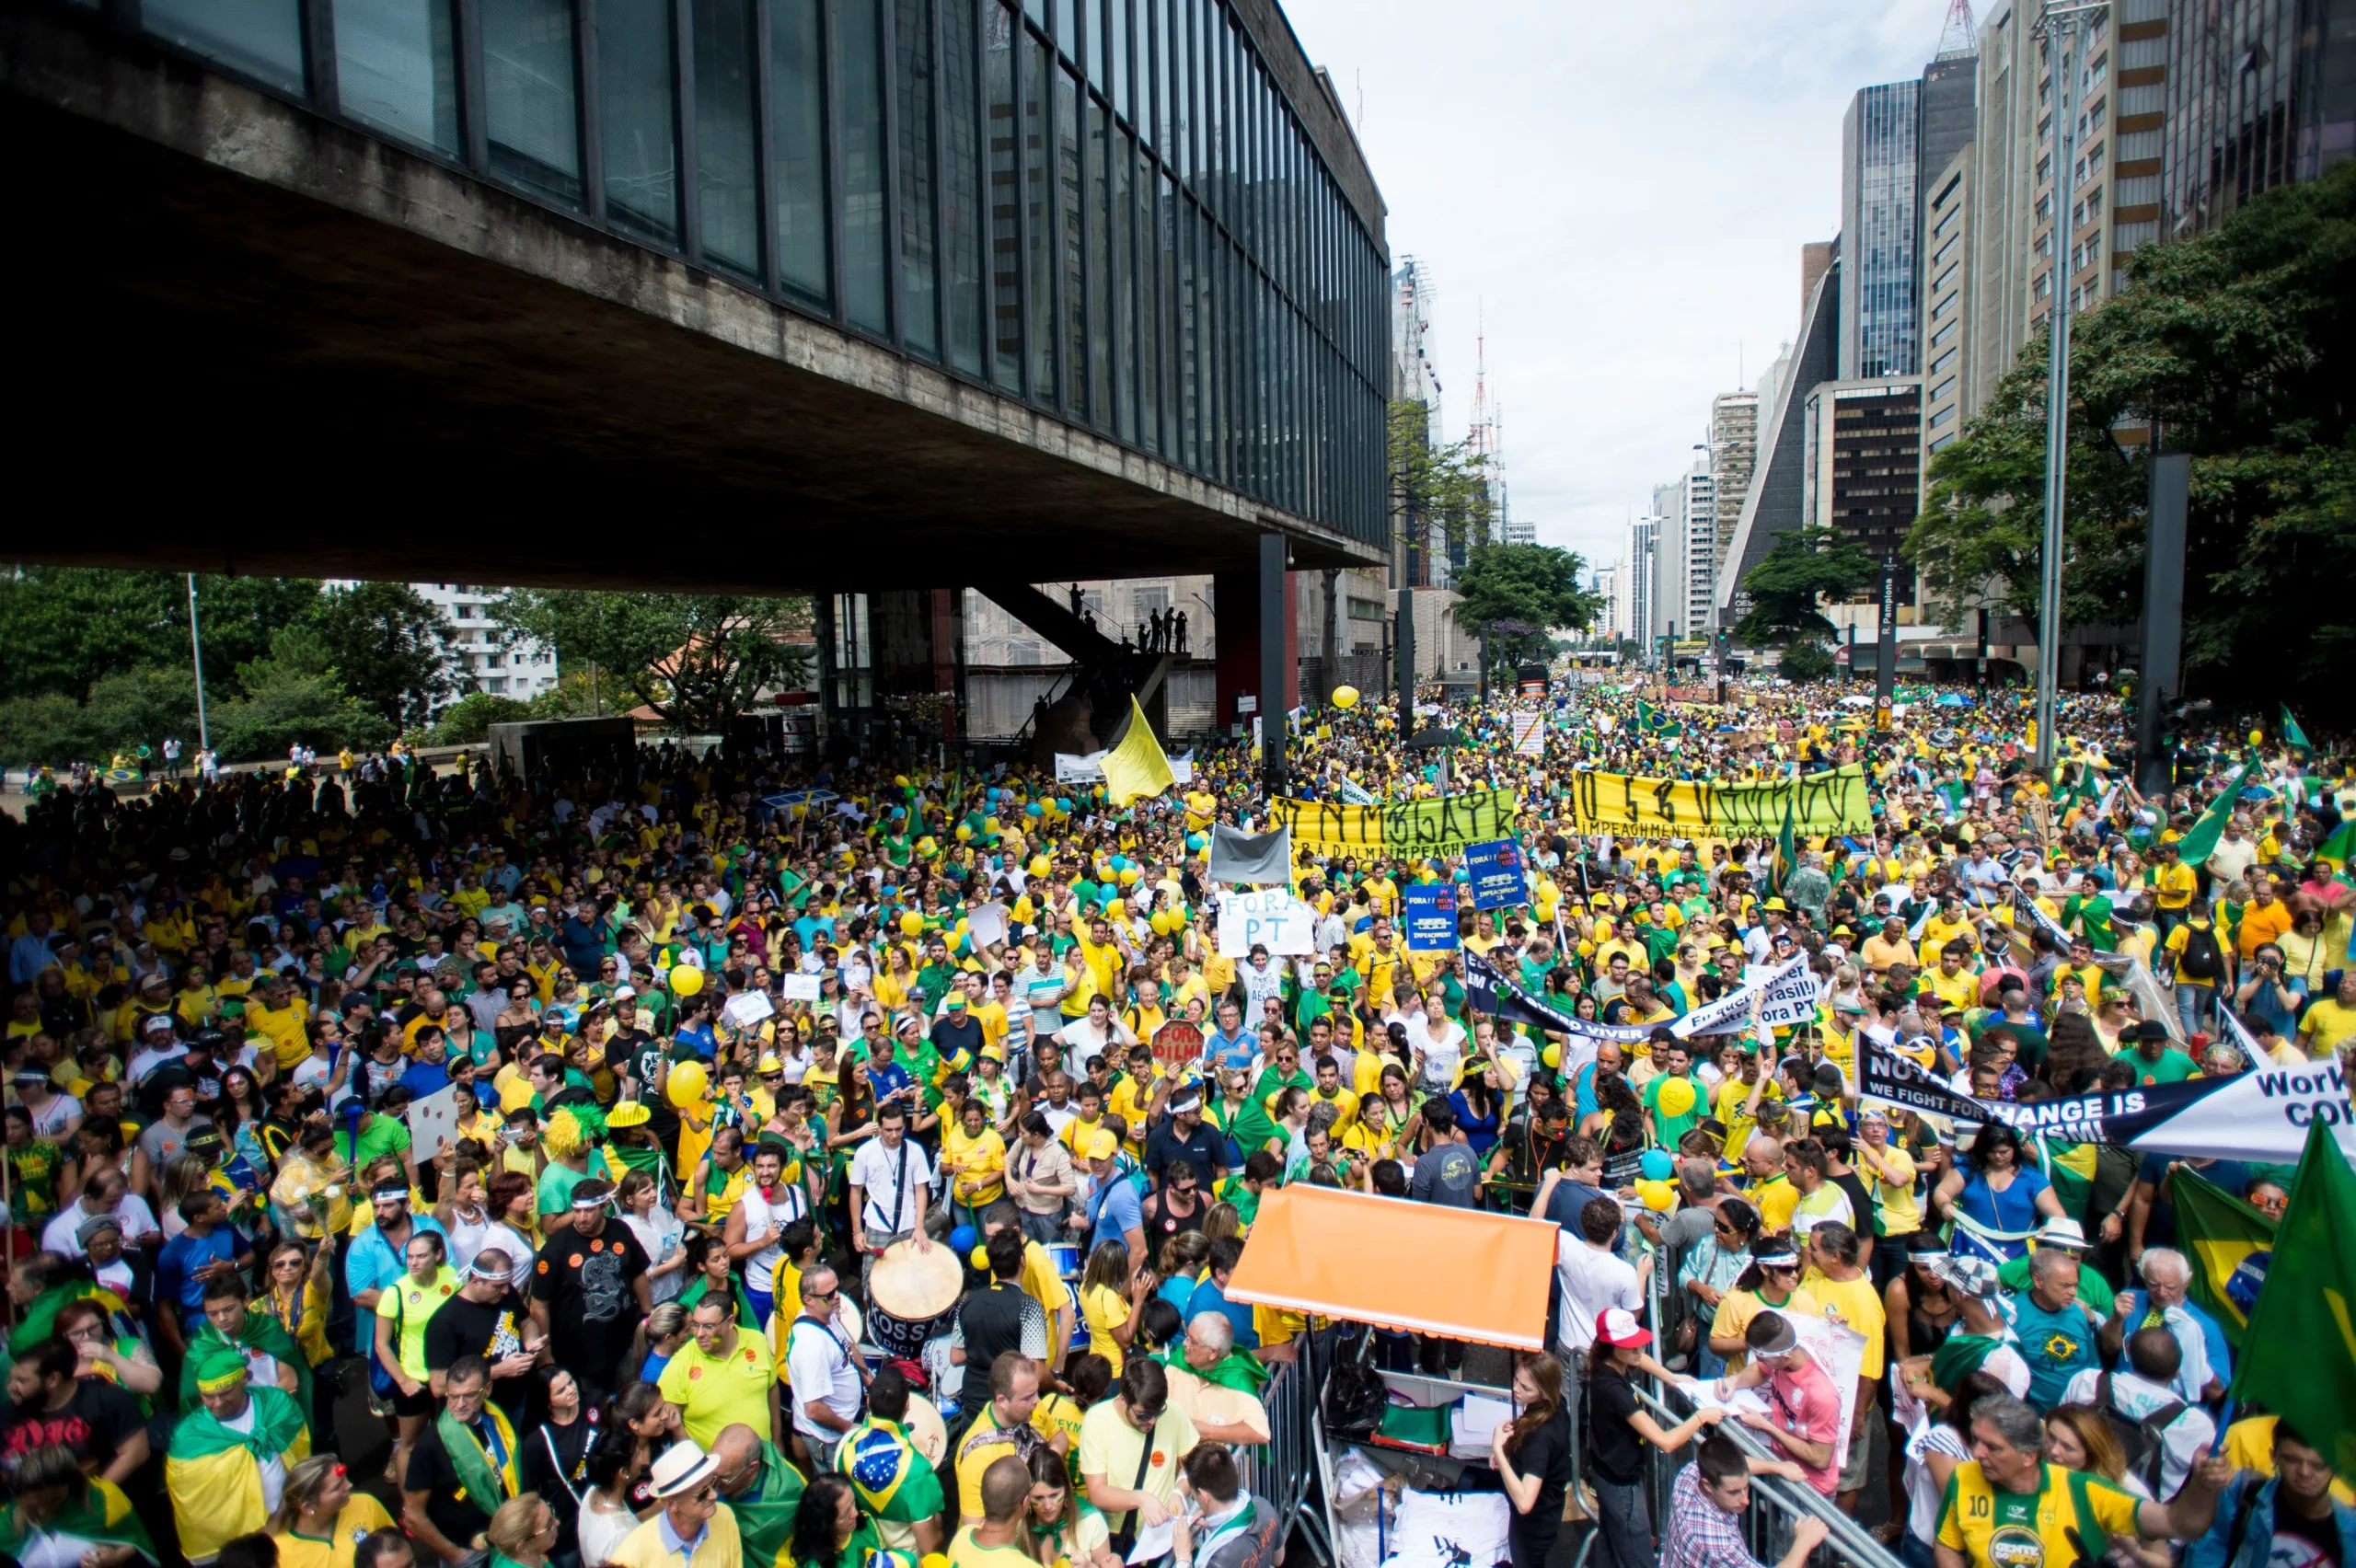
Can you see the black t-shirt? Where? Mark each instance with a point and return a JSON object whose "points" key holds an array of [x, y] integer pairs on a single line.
{"points": [[1613, 1445], [1160, 1224], [431, 1472], [556, 1465], [1204, 1150], [96, 1422], [482, 1330], [592, 1308], [1546, 1454], [1861, 1203], [2302, 1542], [955, 1033]]}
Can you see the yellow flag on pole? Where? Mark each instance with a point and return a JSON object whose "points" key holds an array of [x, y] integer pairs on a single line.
{"points": [[1135, 767]]}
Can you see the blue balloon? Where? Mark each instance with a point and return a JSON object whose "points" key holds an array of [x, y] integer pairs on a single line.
{"points": [[1063, 805], [1657, 1165], [1033, 809], [962, 1239]]}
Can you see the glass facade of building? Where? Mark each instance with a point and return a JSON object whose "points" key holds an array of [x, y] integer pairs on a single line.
{"points": [[1105, 208], [1877, 232]]}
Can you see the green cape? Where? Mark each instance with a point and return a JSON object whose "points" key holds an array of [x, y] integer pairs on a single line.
{"points": [[277, 1422], [101, 1514], [765, 1519], [263, 1334]]}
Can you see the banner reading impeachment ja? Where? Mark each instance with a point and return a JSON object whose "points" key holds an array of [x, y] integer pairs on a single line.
{"points": [[1629, 807], [1444, 825]]}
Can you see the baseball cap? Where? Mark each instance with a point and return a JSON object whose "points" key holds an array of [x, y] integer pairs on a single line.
{"points": [[957, 1003], [1104, 1145], [1618, 1327]]}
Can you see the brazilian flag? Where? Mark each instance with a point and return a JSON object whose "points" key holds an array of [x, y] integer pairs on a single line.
{"points": [[2230, 1244], [1651, 720], [2070, 1170], [2299, 1356], [2292, 736]]}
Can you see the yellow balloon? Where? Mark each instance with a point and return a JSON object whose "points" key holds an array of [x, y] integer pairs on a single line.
{"points": [[1116, 910], [2257, 737], [1129, 875], [1039, 865], [1675, 1096], [912, 923], [1161, 922], [686, 1084], [685, 979], [1657, 1196], [1346, 697], [964, 832], [1552, 1056], [963, 925], [900, 780]]}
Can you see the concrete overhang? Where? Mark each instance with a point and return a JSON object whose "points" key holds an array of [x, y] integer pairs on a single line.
{"points": [[248, 339]]}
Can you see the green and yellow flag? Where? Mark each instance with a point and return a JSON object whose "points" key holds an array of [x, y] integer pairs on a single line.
{"points": [[101, 1516], [1135, 767], [2299, 1353], [765, 1519], [2292, 736], [1787, 851], [1651, 720], [209, 1462], [2231, 1245], [2198, 845]]}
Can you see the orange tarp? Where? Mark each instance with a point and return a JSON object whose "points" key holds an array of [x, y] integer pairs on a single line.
{"points": [[1464, 1274]]}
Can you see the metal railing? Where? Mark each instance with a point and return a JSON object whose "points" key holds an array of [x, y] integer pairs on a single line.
{"points": [[1292, 1471]]}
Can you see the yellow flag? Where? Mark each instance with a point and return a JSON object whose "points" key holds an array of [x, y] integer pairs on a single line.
{"points": [[1135, 767]]}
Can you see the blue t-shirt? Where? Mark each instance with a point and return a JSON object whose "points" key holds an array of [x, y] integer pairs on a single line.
{"points": [[1114, 1210], [1230, 1051], [1210, 1298], [183, 1256], [2057, 1346]]}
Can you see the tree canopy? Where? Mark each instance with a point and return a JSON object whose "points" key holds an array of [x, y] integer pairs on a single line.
{"points": [[1806, 565], [2234, 347], [1436, 485], [1515, 594], [698, 660]]}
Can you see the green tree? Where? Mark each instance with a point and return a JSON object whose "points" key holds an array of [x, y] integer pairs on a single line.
{"points": [[2235, 346], [1807, 660], [1442, 485], [698, 660], [1514, 594], [1806, 566], [467, 721], [295, 693], [62, 629], [384, 641]]}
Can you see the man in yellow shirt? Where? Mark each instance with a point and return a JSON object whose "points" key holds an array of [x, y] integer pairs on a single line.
{"points": [[2173, 884], [723, 1378], [1952, 981], [2330, 1020], [282, 1017]]}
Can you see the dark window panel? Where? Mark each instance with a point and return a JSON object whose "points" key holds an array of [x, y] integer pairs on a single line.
{"points": [[866, 246], [798, 161], [262, 38], [1002, 33], [531, 109], [962, 181], [1042, 213], [912, 43], [1098, 259], [397, 69], [639, 134], [1070, 278], [728, 167]]}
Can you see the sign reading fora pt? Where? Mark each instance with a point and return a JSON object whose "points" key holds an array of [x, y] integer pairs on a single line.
{"points": [[1269, 917]]}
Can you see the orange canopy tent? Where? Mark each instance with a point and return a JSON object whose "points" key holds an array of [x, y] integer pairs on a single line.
{"points": [[1462, 1273]]}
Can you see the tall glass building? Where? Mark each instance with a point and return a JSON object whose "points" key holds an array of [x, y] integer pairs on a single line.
{"points": [[1878, 233], [1110, 210]]}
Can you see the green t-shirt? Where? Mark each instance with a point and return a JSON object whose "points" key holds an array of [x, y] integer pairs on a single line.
{"points": [[557, 1182], [1673, 1128], [381, 1136], [2173, 1066]]}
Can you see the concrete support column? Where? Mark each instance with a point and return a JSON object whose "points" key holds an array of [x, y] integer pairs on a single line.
{"points": [[1259, 640], [1279, 660], [2159, 679]]}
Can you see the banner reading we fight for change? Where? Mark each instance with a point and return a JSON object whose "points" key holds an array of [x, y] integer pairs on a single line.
{"points": [[1629, 807], [1441, 826]]}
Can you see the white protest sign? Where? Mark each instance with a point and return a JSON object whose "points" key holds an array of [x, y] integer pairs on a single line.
{"points": [[798, 987], [746, 1008], [434, 1121], [1073, 768], [986, 923], [1270, 918], [1787, 997]]}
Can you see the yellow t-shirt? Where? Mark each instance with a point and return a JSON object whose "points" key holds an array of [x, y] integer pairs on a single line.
{"points": [[1105, 1310], [361, 1514], [2011, 1529], [715, 1392], [982, 1178], [1733, 1095], [1853, 1304], [2327, 1024], [2249, 1444]]}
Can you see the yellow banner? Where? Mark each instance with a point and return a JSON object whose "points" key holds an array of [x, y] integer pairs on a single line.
{"points": [[1629, 807], [1440, 826]]}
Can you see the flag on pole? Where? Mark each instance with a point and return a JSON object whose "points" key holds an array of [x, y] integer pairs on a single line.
{"points": [[1788, 854], [2341, 848], [1653, 721], [2231, 1245], [1955, 793], [1135, 767], [2292, 736], [2299, 1353], [2201, 843]]}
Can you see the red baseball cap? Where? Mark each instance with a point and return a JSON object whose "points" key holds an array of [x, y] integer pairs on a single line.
{"points": [[1618, 1327]]}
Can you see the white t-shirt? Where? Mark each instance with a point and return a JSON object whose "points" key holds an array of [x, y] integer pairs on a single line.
{"points": [[818, 1368], [273, 1469], [131, 1212], [1592, 1281], [1443, 1050], [760, 1214], [2182, 1442], [890, 1206]]}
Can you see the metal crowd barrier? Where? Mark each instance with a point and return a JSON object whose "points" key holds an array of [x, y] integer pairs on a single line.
{"points": [[1292, 1471]]}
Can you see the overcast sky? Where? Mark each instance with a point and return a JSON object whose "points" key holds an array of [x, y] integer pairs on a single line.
{"points": [[1619, 194]]}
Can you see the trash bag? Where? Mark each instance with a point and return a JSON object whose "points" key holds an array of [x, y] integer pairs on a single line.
{"points": [[1355, 1395]]}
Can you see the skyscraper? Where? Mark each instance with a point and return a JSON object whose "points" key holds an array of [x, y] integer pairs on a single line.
{"points": [[1878, 190], [1734, 456], [1635, 618]]}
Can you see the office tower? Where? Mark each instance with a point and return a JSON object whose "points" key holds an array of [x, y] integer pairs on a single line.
{"points": [[2259, 93], [1948, 122], [1878, 177], [1636, 614], [1863, 463], [1734, 456]]}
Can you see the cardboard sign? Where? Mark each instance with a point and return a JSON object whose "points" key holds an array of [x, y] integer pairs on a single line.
{"points": [[1429, 916], [746, 1008], [1177, 1044], [1270, 918], [434, 1121], [1529, 734], [798, 987]]}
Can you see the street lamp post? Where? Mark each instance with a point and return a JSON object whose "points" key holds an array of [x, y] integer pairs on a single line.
{"points": [[2059, 26], [196, 655]]}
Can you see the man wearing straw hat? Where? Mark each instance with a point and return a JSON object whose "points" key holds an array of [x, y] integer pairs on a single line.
{"points": [[691, 1529]]}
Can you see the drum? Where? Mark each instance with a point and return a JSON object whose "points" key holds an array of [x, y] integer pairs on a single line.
{"points": [[913, 1297], [926, 1430], [1065, 1255]]}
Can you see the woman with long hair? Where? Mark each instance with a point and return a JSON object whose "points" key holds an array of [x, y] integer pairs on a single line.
{"points": [[1617, 1430], [1061, 1528], [1111, 1292], [1180, 1264], [1995, 1197], [320, 1514], [555, 1457], [1531, 1455], [606, 1516], [661, 1232], [1707, 1274], [240, 1112], [519, 1020], [650, 1423], [1770, 1283], [829, 1531], [1618, 1127], [1478, 1104], [2079, 1438]]}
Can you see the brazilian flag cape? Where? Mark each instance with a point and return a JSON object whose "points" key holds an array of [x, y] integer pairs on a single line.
{"points": [[101, 1514], [207, 1460], [40, 1318], [1242, 1373], [263, 1334], [765, 1519], [893, 1482], [701, 1287]]}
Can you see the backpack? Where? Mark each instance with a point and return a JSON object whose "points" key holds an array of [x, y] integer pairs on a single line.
{"points": [[1355, 1395], [2147, 1454], [2200, 959]]}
